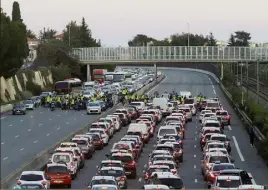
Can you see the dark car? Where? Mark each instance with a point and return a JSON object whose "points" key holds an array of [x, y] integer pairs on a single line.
{"points": [[19, 109]]}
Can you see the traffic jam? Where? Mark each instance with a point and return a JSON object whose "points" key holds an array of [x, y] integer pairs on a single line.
{"points": [[162, 122]]}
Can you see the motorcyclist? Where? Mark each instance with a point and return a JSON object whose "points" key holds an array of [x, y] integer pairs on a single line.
{"points": [[155, 180]]}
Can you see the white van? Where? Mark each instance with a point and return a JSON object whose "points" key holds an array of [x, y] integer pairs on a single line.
{"points": [[164, 106], [140, 128], [186, 93], [163, 130]]}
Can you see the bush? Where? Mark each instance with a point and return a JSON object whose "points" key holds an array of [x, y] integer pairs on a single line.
{"points": [[33, 88], [60, 73]]}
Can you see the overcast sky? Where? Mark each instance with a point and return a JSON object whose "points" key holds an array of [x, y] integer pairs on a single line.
{"points": [[117, 21]]}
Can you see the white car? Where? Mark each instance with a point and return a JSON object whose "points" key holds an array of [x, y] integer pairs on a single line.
{"points": [[104, 136], [116, 122], [37, 177], [203, 112], [93, 107], [29, 104]]}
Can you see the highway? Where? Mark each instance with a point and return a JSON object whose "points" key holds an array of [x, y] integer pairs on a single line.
{"points": [[245, 156], [24, 136]]}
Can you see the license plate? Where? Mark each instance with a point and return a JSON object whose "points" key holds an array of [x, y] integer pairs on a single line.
{"points": [[58, 181], [18, 111]]}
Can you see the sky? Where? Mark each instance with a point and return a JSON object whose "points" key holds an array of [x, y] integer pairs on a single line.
{"points": [[115, 22]]}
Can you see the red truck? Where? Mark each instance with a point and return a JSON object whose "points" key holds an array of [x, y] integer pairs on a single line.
{"points": [[99, 75]]}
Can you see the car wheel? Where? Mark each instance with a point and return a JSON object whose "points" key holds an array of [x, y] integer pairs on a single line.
{"points": [[133, 176], [229, 122], [24, 113]]}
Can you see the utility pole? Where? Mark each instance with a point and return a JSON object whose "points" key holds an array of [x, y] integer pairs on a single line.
{"points": [[247, 76], [188, 40], [242, 92], [258, 83], [69, 35]]}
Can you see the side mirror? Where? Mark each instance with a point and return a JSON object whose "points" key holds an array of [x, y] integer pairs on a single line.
{"points": [[107, 156], [97, 167]]}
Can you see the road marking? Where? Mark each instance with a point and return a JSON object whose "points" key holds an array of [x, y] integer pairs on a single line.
{"points": [[195, 121], [35, 142], [75, 118], [40, 124], [58, 128], [2, 117], [48, 134], [29, 130], [2, 143], [59, 115], [252, 179], [68, 123], [195, 180], [140, 179], [196, 132], [10, 125], [16, 136], [194, 156], [195, 146], [21, 149], [238, 149], [194, 166], [5, 158], [196, 127], [32, 116], [41, 112], [156, 86], [50, 119], [214, 91], [21, 120], [195, 138], [229, 127]]}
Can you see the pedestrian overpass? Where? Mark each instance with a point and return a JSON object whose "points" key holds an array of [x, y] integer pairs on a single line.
{"points": [[168, 54]]}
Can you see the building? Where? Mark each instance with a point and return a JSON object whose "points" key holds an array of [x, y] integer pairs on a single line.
{"points": [[59, 37], [221, 43], [33, 45]]}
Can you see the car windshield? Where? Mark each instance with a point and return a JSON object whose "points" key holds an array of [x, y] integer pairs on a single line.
{"points": [[130, 109], [213, 104], [134, 133], [80, 142], [64, 158], [93, 104], [151, 170], [87, 92], [218, 138], [28, 102], [110, 164], [121, 146], [163, 158], [98, 126], [31, 177], [221, 159], [212, 124], [135, 104], [229, 174], [174, 183], [31, 186], [164, 148], [19, 106], [222, 113], [215, 146], [162, 132], [57, 169], [228, 183], [102, 181], [95, 137], [122, 158], [222, 167], [111, 172], [170, 165], [211, 131], [97, 131]]}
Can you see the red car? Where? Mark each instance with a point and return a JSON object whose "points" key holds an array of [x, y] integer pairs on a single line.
{"points": [[59, 175], [226, 118]]}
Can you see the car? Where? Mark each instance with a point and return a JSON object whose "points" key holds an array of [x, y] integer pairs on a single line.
{"points": [[104, 135], [59, 175], [154, 168], [226, 182], [118, 173], [104, 187], [85, 144], [36, 177], [19, 108], [94, 107], [225, 116], [178, 151], [222, 138], [203, 112], [101, 180], [36, 100], [96, 140], [154, 187], [171, 164]]}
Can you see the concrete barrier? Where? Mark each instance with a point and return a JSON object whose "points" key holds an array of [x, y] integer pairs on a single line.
{"points": [[6, 108], [40, 160]]}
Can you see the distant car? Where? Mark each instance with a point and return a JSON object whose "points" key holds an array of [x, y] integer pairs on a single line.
{"points": [[36, 100], [94, 107], [29, 104], [45, 94], [19, 109]]}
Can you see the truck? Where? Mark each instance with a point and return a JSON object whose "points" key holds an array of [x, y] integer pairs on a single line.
{"points": [[99, 75]]}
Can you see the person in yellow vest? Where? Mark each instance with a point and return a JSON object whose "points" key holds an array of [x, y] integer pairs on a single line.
{"points": [[145, 100], [182, 100]]}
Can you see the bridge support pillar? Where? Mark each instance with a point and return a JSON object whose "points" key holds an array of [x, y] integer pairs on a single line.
{"points": [[88, 73], [221, 71], [155, 71]]}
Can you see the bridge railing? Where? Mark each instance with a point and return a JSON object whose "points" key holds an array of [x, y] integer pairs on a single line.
{"points": [[176, 53]]}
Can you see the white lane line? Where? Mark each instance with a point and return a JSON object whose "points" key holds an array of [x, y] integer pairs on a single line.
{"points": [[58, 128], [195, 146], [21, 120], [35, 142], [140, 179], [238, 149], [40, 124], [41, 112], [214, 91], [194, 156], [156, 86], [252, 179], [5, 158], [67, 123], [75, 118], [21, 149], [50, 119], [29, 130], [48, 134], [32, 116], [145, 165], [10, 125], [213, 86], [2, 143], [16, 136], [230, 128], [194, 166], [195, 180], [195, 138], [196, 132], [196, 127], [59, 115], [2, 117]]}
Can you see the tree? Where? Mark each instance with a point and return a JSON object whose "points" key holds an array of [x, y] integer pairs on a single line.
{"points": [[231, 41], [239, 38], [48, 34], [211, 40], [30, 34], [140, 40], [16, 16]]}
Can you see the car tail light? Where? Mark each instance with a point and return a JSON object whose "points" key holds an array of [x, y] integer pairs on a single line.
{"points": [[227, 117], [43, 182], [18, 182], [180, 141], [212, 174], [122, 179], [174, 171], [147, 176], [132, 163], [203, 140]]}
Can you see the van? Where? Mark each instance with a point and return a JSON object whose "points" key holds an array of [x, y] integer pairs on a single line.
{"points": [[163, 130], [140, 129], [163, 104]]}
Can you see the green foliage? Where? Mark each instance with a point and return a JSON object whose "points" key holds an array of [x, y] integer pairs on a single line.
{"points": [[239, 38], [141, 40], [16, 16], [211, 40], [30, 34], [47, 34], [60, 73], [33, 88]]}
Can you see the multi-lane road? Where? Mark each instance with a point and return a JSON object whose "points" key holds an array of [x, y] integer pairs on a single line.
{"points": [[24, 136]]}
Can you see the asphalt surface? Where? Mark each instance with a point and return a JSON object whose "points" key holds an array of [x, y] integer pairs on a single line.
{"points": [[245, 156], [16, 150]]}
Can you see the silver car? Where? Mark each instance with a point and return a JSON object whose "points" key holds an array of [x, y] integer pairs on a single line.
{"points": [[29, 104]]}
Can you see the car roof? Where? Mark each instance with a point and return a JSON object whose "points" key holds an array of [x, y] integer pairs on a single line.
{"points": [[80, 138], [112, 168], [96, 177], [218, 135], [163, 161], [161, 151], [165, 145], [226, 177], [122, 154], [163, 155], [56, 164], [32, 172], [158, 166], [166, 175], [111, 161]]}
